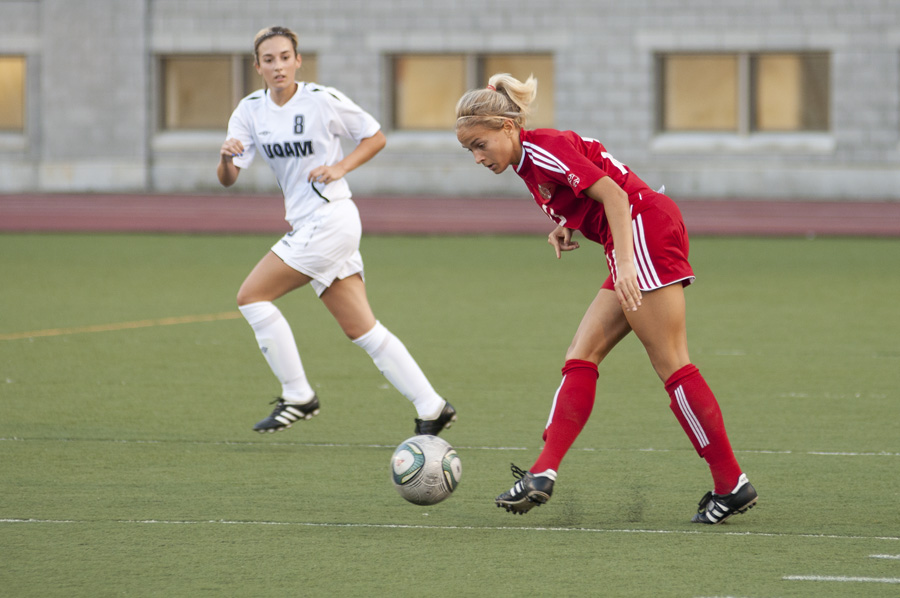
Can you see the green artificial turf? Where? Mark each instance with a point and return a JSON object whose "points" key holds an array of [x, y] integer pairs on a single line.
{"points": [[128, 466]]}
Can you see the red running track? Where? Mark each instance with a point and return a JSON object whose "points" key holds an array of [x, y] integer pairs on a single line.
{"points": [[227, 213]]}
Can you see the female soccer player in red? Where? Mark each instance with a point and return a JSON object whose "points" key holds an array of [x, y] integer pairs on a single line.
{"points": [[582, 187]]}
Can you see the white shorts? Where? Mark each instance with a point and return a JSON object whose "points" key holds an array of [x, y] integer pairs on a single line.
{"points": [[325, 247]]}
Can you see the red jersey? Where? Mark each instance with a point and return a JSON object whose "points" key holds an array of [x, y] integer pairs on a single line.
{"points": [[559, 166]]}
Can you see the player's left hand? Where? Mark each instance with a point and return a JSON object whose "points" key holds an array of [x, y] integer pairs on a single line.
{"points": [[627, 289], [326, 174]]}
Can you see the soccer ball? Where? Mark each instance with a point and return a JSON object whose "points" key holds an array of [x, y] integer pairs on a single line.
{"points": [[425, 469]]}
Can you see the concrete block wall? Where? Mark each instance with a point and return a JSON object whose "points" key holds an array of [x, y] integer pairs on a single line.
{"points": [[93, 91]]}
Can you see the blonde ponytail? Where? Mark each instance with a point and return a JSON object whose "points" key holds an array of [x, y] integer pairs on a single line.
{"points": [[505, 98]]}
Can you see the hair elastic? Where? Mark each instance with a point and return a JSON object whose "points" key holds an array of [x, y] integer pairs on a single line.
{"points": [[491, 87]]}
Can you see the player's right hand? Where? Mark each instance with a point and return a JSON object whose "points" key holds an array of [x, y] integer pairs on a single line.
{"points": [[231, 148], [561, 240]]}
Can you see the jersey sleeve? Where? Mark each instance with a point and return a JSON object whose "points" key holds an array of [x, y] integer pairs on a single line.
{"points": [[563, 160], [349, 120], [240, 127], [583, 172]]}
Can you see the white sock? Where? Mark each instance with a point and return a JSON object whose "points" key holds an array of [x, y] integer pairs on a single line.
{"points": [[276, 341], [394, 361]]}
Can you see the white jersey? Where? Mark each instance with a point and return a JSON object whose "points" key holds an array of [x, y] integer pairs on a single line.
{"points": [[297, 137]]}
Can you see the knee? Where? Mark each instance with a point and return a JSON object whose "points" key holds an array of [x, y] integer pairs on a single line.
{"points": [[592, 356], [356, 330], [667, 362], [586, 352], [372, 340], [243, 297], [666, 369], [248, 294]]}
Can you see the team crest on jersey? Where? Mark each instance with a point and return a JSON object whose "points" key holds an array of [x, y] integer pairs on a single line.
{"points": [[573, 180], [546, 191]]}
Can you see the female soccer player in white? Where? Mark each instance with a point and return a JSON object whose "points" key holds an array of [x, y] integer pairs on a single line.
{"points": [[297, 129], [580, 186]]}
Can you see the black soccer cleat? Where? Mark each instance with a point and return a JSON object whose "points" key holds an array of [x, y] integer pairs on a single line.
{"points": [[529, 492], [714, 509], [438, 425], [285, 414]]}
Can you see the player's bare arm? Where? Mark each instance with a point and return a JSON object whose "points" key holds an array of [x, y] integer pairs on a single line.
{"points": [[615, 204], [361, 154], [561, 240], [227, 171]]}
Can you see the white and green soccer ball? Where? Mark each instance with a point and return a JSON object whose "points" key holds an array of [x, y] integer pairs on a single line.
{"points": [[425, 469]]}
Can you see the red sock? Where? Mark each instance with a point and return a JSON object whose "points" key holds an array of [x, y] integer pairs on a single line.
{"points": [[697, 410], [571, 409]]}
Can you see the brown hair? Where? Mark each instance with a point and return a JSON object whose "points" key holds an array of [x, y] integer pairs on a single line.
{"points": [[269, 33], [505, 98]]}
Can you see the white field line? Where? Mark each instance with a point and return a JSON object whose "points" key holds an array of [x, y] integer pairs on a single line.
{"points": [[468, 448], [839, 578], [892, 557], [446, 527]]}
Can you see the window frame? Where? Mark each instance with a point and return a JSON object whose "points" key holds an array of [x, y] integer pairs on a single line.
{"points": [[243, 82], [753, 59], [746, 93], [475, 75], [26, 81], [237, 68]]}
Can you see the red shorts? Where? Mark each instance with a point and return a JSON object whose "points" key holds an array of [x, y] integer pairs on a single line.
{"points": [[660, 245]]}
